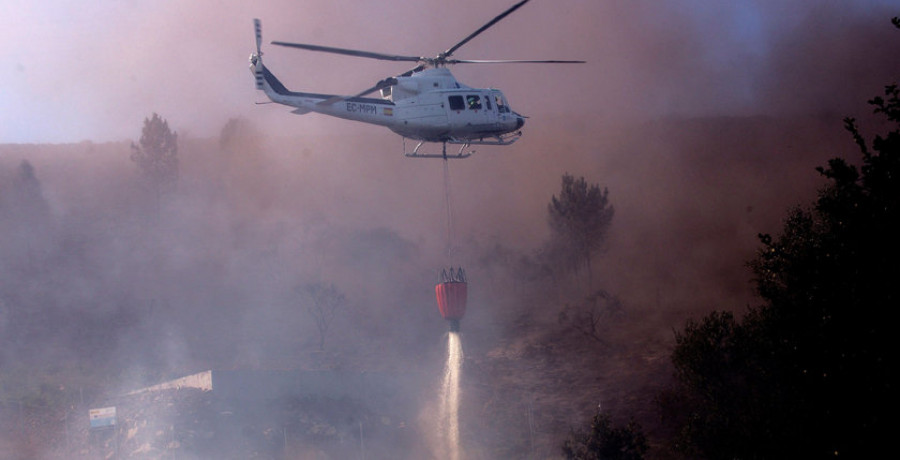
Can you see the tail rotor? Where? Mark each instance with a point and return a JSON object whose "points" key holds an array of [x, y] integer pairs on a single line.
{"points": [[256, 58], [257, 27]]}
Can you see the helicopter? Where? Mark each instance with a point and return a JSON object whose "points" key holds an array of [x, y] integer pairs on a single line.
{"points": [[426, 103]]}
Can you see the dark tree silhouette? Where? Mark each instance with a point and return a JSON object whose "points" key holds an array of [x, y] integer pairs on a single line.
{"points": [[603, 441], [157, 156], [321, 302], [28, 189], [238, 135], [24, 200], [579, 219], [808, 373], [593, 316], [25, 219]]}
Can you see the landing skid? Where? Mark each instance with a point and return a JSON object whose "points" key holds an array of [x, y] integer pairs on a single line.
{"points": [[415, 153], [503, 139]]}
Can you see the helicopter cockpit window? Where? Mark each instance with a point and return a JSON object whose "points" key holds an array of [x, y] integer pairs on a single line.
{"points": [[456, 103], [502, 108], [473, 101]]}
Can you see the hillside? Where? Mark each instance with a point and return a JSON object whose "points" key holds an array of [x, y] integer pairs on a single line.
{"points": [[101, 295]]}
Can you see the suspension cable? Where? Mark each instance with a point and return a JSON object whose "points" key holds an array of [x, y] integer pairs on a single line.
{"points": [[448, 203]]}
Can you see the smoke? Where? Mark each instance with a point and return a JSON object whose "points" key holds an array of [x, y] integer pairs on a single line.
{"points": [[704, 121]]}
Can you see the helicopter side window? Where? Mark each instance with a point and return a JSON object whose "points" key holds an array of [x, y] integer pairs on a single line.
{"points": [[456, 103], [487, 103], [473, 101]]}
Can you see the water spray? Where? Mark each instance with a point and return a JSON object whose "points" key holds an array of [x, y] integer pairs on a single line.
{"points": [[451, 293]]}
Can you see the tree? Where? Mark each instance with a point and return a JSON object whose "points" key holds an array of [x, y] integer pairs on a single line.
{"points": [[716, 406], [322, 303], [808, 373], [606, 442], [24, 200], [157, 156], [26, 223], [593, 316], [579, 220], [245, 180], [239, 135]]}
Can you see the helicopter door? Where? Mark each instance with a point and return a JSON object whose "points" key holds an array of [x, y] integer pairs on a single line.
{"points": [[469, 112]]}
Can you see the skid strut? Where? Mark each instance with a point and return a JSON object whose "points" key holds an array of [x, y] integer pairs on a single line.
{"points": [[460, 154]]}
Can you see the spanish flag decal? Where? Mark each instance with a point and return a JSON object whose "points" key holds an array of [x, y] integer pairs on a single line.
{"points": [[389, 111]]}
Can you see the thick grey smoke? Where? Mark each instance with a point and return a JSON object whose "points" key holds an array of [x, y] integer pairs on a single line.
{"points": [[704, 120]]}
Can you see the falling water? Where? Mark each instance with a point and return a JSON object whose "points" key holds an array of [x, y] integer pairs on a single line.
{"points": [[450, 395]]}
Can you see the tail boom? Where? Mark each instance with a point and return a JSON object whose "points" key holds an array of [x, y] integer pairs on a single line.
{"points": [[368, 110]]}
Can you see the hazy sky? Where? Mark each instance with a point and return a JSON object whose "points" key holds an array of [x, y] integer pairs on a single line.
{"points": [[73, 70]]}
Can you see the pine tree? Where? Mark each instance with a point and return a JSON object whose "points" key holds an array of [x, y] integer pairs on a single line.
{"points": [[157, 157]]}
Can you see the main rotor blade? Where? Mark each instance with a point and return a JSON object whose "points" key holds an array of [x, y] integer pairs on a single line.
{"points": [[412, 71], [389, 81], [349, 52], [510, 61], [483, 28], [381, 84]]}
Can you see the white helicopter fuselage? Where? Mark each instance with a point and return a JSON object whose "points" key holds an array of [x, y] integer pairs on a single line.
{"points": [[429, 105]]}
